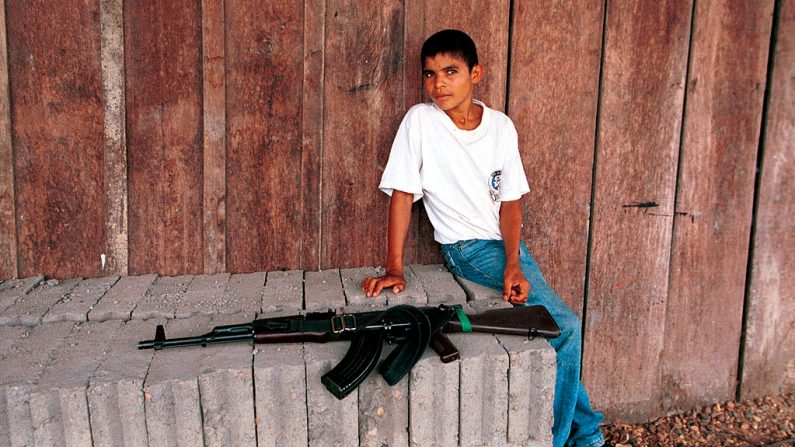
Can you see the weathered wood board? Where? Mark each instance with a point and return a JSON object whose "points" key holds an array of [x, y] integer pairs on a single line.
{"points": [[214, 136], [555, 61], [164, 136], [363, 87], [56, 116], [769, 361], [115, 138], [714, 204], [638, 142], [8, 227], [312, 132], [264, 78]]}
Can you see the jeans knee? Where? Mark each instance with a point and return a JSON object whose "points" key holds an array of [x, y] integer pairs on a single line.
{"points": [[570, 326]]}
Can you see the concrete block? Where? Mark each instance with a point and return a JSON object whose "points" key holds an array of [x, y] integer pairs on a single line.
{"points": [[29, 309], [439, 284], [115, 391], [163, 297], [280, 390], [10, 336], [323, 290], [487, 304], [14, 289], [243, 294], [226, 387], [24, 364], [476, 292], [413, 294], [483, 392], [433, 402], [58, 403], [204, 296], [352, 284], [531, 391], [171, 389], [383, 412], [331, 422], [119, 302], [81, 301], [283, 290]]}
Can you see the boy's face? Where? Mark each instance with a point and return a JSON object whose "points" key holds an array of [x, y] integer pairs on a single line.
{"points": [[449, 82]]}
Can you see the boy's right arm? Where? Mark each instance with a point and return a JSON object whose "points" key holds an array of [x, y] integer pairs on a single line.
{"points": [[397, 229]]}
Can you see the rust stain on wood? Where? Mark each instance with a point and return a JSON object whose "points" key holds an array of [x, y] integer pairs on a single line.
{"points": [[769, 362], [8, 228], [554, 91], [163, 42], [264, 149], [716, 178], [214, 167], [642, 95], [55, 80], [115, 141], [364, 45]]}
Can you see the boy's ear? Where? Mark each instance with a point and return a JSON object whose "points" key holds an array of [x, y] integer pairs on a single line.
{"points": [[476, 73]]}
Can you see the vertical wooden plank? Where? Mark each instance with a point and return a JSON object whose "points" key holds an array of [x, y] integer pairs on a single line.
{"points": [[715, 202], [115, 139], [8, 228], [55, 79], [214, 168], [554, 89], [313, 101], [644, 69], [486, 21], [163, 45], [264, 79], [363, 108], [769, 361]]}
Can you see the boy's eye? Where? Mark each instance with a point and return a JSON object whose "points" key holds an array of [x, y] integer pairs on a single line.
{"points": [[451, 71], [427, 74]]}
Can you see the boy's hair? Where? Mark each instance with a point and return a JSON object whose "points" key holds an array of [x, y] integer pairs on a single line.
{"points": [[453, 42]]}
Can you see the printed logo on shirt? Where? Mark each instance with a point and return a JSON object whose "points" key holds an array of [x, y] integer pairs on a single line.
{"points": [[494, 185]]}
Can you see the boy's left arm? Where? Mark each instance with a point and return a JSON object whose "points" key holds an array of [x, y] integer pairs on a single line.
{"points": [[515, 285]]}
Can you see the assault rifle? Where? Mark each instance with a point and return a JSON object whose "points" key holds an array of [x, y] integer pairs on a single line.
{"points": [[411, 328]]}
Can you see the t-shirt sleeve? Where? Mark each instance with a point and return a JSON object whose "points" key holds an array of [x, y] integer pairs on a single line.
{"points": [[402, 170], [513, 181]]}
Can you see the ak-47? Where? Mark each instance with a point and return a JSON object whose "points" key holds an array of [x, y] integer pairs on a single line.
{"points": [[411, 328]]}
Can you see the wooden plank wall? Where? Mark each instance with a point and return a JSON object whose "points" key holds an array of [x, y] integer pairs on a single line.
{"points": [[195, 136], [768, 364], [645, 61], [714, 203]]}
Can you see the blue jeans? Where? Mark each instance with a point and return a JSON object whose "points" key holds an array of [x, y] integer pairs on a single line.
{"points": [[483, 262]]}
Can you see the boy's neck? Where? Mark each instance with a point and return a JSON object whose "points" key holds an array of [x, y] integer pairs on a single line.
{"points": [[467, 119]]}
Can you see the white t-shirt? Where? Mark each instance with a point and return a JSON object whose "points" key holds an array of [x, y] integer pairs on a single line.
{"points": [[463, 175]]}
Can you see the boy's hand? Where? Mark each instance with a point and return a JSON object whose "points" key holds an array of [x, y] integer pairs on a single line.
{"points": [[515, 286], [373, 286]]}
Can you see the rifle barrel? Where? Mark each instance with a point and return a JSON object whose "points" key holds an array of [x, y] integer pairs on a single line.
{"points": [[220, 334]]}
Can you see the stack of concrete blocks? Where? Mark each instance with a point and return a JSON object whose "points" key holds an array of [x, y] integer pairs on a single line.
{"points": [[70, 373]]}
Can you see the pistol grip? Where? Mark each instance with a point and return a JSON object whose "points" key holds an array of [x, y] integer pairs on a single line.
{"points": [[444, 347]]}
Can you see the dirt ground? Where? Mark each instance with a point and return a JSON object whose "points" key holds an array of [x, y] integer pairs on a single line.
{"points": [[768, 421]]}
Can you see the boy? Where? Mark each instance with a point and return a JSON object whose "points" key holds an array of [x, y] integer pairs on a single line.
{"points": [[463, 159]]}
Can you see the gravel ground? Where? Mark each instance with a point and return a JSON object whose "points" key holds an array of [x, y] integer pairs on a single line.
{"points": [[768, 421]]}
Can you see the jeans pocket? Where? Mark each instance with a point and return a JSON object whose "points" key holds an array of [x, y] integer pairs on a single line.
{"points": [[451, 265]]}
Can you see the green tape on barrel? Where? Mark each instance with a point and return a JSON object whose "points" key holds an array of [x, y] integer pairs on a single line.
{"points": [[463, 319]]}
